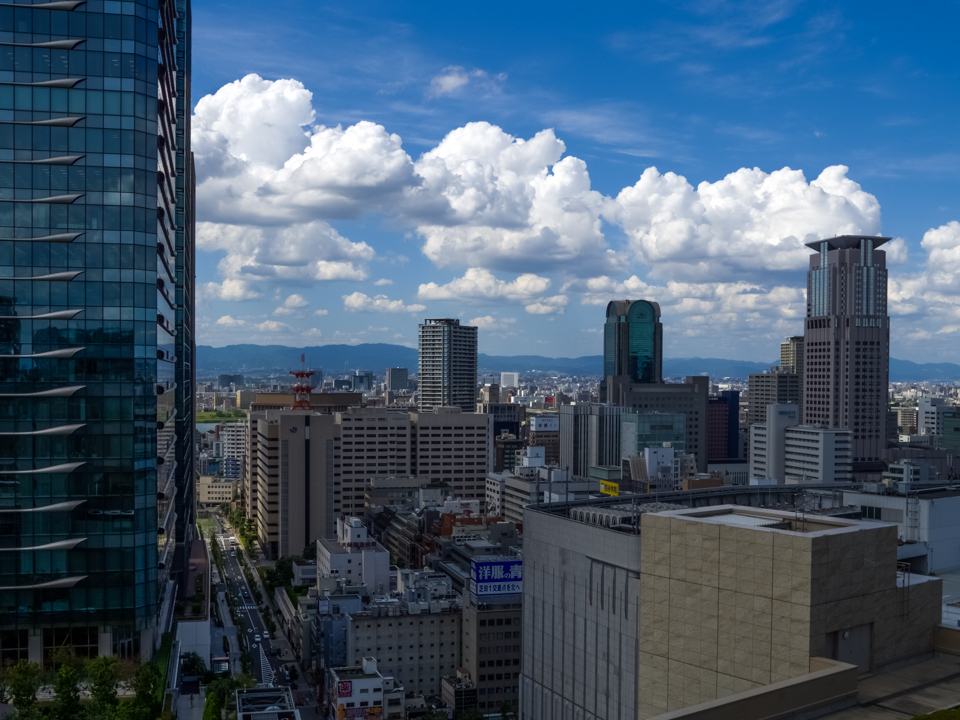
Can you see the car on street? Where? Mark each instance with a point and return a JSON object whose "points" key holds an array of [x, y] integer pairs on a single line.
{"points": [[257, 638]]}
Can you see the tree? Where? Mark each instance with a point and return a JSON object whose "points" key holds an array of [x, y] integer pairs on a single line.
{"points": [[146, 686], [309, 552], [471, 713], [193, 664], [103, 677], [66, 703], [507, 712], [23, 682]]}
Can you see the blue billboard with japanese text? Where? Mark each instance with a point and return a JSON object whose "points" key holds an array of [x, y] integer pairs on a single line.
{"points": [[497, 577]]}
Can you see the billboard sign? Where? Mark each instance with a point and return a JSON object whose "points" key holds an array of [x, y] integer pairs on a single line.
{"points": [[609, 488], [497, 577], [345, 688]]}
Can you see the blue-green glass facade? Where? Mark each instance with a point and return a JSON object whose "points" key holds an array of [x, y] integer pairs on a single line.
{"points": [[633, 341], [89, 323]]}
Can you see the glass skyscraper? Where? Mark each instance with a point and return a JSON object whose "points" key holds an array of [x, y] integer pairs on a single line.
{"points": [[96, 323], [633, 342]]}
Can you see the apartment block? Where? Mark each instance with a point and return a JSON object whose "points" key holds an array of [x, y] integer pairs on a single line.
{"points": [[447, 371]]}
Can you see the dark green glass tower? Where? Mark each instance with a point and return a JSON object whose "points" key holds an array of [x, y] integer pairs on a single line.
{"points": [[633, 341], [96, 336]]}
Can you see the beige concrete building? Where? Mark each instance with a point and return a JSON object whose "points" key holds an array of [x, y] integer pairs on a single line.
{"points": [[454, 447], [297, 478], [736, 598], [330, 459], [213, 491]]}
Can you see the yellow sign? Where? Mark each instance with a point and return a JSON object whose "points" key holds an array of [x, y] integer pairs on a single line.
{"points": [[609, 488]]}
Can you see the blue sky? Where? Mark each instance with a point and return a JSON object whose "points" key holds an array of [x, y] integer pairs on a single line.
{"points": [[385, 162]]}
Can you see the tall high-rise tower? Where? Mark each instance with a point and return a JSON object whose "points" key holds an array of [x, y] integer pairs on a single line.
{"points": [[847, 342], [447, 373], [633, 341], [96, 365]]}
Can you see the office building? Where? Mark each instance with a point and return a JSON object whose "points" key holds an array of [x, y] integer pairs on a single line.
{"points": [[96, 223], [651, 429], [951, 432], [414, 633], [455, 448], [213, 491], [509, 380], [397, 379], [507, 417], [359, 445], [355, 557], [234, 438], [785, 451], [362, 381], [723, 426], [492, 616], [505, 449], [447, 371], [819, 590], [847, 343], [907, 420], [777, 386], [545, 433], [633, 341], [225, 381], [689, 397], [297, 499], [930, 412], [589, 435]]}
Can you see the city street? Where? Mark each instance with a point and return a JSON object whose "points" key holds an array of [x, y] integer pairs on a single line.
{"points": [[266, 667]]}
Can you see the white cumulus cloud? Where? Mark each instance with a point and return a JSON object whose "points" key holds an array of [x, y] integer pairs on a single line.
{"points": [[489, 323], [478, 283], [548, 306], [383, 281], [228, 321], [454, 78], [750, 220], [272, 326], [359, 302]]}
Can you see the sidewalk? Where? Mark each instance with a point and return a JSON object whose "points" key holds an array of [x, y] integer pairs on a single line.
{"points": [[230, 631], [186, 711]]}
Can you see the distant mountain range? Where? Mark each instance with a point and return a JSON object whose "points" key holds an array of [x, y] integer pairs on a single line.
{"points": [[378, 356]]}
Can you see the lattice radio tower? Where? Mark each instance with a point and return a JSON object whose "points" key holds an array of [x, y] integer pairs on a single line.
{"points": [[302, 388]]}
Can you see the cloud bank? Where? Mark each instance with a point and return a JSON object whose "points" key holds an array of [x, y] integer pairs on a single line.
{"points": [[517, 219]]}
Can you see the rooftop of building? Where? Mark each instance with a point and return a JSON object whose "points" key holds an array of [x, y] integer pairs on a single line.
{"points": [[770, 520], [845, 242], [266, 703], [624, 511]]}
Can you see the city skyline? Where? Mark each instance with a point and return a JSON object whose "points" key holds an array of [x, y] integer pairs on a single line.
{"points": [[381, 220]]}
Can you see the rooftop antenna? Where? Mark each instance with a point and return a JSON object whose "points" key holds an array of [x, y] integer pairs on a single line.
{"points": [[302, 388]]}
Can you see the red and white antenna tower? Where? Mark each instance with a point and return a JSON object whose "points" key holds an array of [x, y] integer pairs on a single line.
{"points": [[302, 388]]}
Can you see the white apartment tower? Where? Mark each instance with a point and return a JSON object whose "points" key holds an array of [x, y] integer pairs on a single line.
{"points": [[847, 342], [447, 372]]}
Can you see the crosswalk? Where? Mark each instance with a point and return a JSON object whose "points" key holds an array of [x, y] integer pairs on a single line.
{"points": [[266, 670], [246, 607]]}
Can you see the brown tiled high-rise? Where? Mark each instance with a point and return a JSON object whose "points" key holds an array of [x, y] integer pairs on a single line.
{"points": [[847, 342]]}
